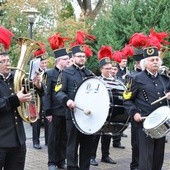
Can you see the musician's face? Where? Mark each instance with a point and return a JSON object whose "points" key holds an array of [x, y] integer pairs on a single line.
{"points": [[123, 63], [114, 71], [79, 59], [5, 62], [63, 61], [153, 64], [106, 70], [43, 64]]}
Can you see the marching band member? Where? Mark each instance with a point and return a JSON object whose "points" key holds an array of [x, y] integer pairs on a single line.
{"points": [[105, 64], [36, 126], [12, 134], [146, 87], [55, 112], [138, 56], [72, 77]]}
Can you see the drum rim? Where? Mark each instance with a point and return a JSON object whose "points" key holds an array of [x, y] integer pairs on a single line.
{"points": [[72, 112]]}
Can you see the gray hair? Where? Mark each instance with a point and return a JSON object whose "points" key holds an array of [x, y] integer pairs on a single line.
{"points": [[144, 61]]}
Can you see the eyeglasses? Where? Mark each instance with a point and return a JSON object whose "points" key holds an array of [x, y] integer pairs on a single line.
{"points": [[107, 68], [64, 58], [80, 56], [5, 61]]}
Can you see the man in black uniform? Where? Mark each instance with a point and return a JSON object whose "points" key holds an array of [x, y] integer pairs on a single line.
{"points": [[146, 87], [36, 126], [105, 65], [12, 134], [72, 77], [55, 112], [138, 56]]}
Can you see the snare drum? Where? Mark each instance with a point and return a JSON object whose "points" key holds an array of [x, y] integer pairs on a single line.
{"points": [[157, 124], [93, 96]]}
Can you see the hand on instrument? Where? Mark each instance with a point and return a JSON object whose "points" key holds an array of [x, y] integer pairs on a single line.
{"points": [[24, 97], [49, 118], [168, 95], [124, 76], [71, 104], [37, 81], [137, 117]]}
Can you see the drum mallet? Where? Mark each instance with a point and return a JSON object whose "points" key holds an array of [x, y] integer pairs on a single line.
{"points": [[86, 112], [144, 117], [160, 99]]}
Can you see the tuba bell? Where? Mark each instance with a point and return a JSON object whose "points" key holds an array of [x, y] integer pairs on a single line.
{"points": [[28, 111]]}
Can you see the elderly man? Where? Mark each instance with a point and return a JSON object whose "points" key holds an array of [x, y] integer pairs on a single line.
{"points": [[146, 87]]}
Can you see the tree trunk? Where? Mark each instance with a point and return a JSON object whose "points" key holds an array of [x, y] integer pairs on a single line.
{"points": [[86, 7]]}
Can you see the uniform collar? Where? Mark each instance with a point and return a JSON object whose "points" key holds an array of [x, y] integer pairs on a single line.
{"points": [[3, 77], [79, 68], [151, 74]]}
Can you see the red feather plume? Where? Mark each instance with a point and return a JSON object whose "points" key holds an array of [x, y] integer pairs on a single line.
{"points": [[117, 56], [88, 51], [138, 40], [40, 51], [56, 41], [128, 51], [154, 42], [5, 37], [161, 36], [105, 51], [81, 36]]}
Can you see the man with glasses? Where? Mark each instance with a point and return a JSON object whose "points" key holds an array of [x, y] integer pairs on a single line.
{"points": [[72, 77], [55, 112], [12, 134]]}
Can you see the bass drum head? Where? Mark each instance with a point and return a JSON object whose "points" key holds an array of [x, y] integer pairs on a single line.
{"points": [[91, 96], [157, 117]]}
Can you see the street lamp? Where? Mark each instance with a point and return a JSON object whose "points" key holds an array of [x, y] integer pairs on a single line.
{"points": [[31, 13], [1, 9]]}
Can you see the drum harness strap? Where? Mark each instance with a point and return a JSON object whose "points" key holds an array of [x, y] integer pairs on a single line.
{"points": [[58, 85]]}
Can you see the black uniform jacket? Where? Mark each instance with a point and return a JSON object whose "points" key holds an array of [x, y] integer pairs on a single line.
{"points": [[145, 89], [72, 77], [51, 105], [12, 132]]}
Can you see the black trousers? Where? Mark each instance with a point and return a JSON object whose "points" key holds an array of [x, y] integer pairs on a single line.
{"points": [[135, 146], [36, 129], [57, 141], [78, 148], [151, 151], [13, 158], [105, 145]]}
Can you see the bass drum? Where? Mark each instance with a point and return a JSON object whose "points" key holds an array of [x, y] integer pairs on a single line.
{"points": [[95, 108]]}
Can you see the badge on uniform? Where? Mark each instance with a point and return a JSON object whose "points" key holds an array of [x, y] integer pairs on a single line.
{"points": [[57, 87], [127, 95]]}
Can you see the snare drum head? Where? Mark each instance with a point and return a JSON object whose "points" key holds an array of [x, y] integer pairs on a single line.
{"points": [[156, 117], [92, 95]]}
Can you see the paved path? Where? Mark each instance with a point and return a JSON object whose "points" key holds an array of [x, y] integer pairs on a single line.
{"points": [[37, 159]]}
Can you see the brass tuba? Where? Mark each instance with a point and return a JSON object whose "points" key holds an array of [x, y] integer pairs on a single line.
{"points": [[28, 111]]}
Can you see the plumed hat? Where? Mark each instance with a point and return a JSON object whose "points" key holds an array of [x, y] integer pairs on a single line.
{"points": [[79, 44], [40, 53], [150, 52], [105, 55], [138, 54], [5, 40], [57, 45]]}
